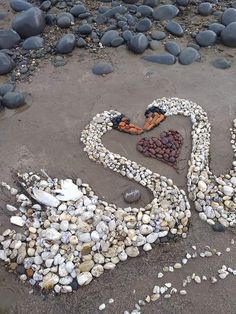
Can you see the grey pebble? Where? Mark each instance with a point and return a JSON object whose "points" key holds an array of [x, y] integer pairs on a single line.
{"points": [[205, 8], [228, 35], [206, 38], [188, 55], [33, 42], [13, 100], [165, 12], [175, 29], [228, 16], [167, 58], [102, 68], [8, 38], [66, 44], [172, 48], [20, 5], [221, 63], [138, 43], [6, 63]]}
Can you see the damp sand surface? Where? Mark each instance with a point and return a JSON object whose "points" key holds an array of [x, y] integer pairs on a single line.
{"points": [[47, 135]]}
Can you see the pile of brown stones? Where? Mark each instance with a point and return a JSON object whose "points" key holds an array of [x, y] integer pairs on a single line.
{"points": [[166, 147]]}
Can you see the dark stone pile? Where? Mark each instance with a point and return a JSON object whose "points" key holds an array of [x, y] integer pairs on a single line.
{"points": [[166, 147], [48, 27], [9, 98]]}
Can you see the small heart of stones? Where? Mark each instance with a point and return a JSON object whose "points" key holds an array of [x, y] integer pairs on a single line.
{"points": [[166, 147]]}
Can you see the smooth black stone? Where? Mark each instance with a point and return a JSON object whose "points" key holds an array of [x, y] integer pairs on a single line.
{"points": [[172, 48], [6, 87], [8, 38], [158, 35], [154, 44], [165, 12], [20, 5], [66, 44], [182, 3], [193, 45], [20, 269], [29, 23], [81, 43], [145, 10], [102, 68], [221, 63], [161, 59], [46, 5], [127, 35], [143, 25], [188, 55], [229, 16], [74, 284], [85, 29], [34, 42], [64, 20], [216, 27], [13, 100], [175, 29], [218, 227], [118, 41], [50, 19], [113, 11], [78, 9], [131, 195], [228, 35], [206, 38], [151, 3], [138, 43], [6, 63], [205, 8], [108, 37]]}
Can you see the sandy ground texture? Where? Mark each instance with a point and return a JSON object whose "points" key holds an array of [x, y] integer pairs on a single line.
{"points": [[47, 135]]}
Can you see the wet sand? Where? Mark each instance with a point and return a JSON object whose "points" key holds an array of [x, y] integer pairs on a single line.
{"points": [[47, 135]]}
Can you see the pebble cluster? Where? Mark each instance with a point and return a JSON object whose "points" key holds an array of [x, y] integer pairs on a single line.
{"points": [[165, 148], [9, 98], [71, 236], [58, 27]]}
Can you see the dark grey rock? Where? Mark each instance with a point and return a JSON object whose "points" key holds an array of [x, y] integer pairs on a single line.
{"points": [[145, 10], [172, 48], [6, 63], [206, 38], [221, 63], [205, 8], [66, 44], [143, 25], [154, 44], [78, 9], [34, 42], [81, 43], [20, 270], [8, 38], [108, 37], [20, 5], [127, 35], [165, 12], [138, 43], [132, 195], [6, 87], [130, 1], [151, 3], [13, 100], [46, 5], [29, 23], [188, 55], [218, 227], [64, 20], [118, 41], [114, 11], [102, 68], [217, 28], [182, 3], [161, 59], [228, 35], [193, 45], [59, 61], [229, 16], [85, 29], [158, 35], [175, 29]]}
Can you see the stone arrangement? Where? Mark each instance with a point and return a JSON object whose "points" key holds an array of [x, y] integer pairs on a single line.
{"points": [[58, 27], [165, 148], [71, 236]]}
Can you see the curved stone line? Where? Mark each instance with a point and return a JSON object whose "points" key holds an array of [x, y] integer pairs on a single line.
{"points": [[214, 197]]}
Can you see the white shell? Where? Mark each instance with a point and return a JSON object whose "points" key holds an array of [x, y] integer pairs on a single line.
{"points": [[45, 198]]}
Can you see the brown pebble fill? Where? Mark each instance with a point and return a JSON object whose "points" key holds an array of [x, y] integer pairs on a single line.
{"points": [[166, 147]]}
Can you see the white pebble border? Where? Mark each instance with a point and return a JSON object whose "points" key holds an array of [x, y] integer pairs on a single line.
{"points": [[71, 236]]}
